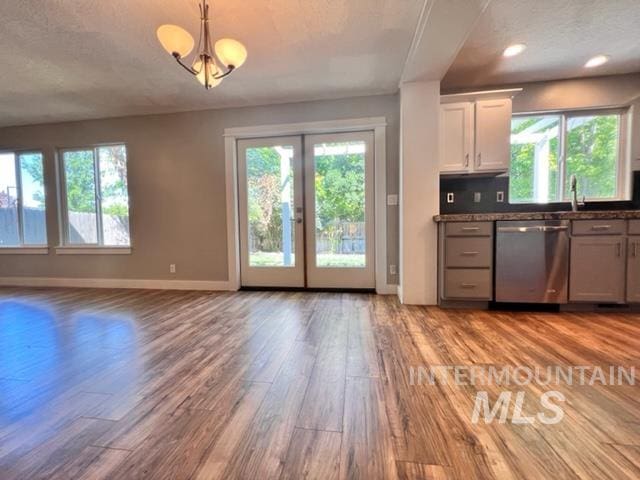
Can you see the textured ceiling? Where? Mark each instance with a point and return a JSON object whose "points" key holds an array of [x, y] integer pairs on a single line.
{"points": [[561, 35], [79, 59]]}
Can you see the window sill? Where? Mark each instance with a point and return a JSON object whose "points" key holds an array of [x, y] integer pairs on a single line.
{"points": [[24, 250], [92, 250]]}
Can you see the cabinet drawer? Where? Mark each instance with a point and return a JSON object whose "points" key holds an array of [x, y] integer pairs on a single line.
{"points": [[598, 227], [634, 227], [471, 252], [468, 229], [468, 284]]}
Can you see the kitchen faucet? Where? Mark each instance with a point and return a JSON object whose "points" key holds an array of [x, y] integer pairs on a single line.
{"points": [[574, 195]]}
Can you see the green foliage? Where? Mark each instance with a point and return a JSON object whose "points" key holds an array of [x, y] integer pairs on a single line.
{"points": [[80, 181], [592, 153], [339, 190]]}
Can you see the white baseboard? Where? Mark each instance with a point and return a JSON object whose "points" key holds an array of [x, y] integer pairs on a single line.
{"points": [[116, 283], [387, 289]]}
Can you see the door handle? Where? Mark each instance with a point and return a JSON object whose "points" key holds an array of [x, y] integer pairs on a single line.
{"points": [[479, 158], [466, 160], [299, 220]]}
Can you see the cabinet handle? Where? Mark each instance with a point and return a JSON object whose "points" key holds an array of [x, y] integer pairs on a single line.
{"points": [[634, 252], [479, 159], [601, 227], [470, 254], [466, 160], [619, 249], [470, 229], [468, 285]]}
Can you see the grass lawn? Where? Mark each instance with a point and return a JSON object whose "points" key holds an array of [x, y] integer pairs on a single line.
{"points": [[274, 259]]}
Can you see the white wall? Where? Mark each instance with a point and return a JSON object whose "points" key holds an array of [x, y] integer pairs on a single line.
{"points": [[419, 191]]}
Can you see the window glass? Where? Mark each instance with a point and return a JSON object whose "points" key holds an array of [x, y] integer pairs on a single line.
{"points": [[34, 222], [114, 199], [340, 204], [592, 155], [97, 198], [535, 151], [9, 229], [80, 189], [546, 150]]}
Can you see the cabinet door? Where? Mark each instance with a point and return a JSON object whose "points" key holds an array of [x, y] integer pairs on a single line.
{"points": [[633, 271], [456, 137], [493, 135], [597, 269]]}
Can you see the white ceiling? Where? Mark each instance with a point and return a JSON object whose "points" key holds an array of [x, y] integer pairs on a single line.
{"points": [[561, 35], [79, 59]]}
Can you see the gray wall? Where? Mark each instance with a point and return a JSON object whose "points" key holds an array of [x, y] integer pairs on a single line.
{"points": [[177, 186]]}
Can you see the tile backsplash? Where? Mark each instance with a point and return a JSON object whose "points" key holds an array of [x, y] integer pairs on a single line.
{"points": [[487, 194]]}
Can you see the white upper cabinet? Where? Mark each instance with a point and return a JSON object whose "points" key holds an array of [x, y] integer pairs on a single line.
{"points": [[475, 136], [493, 135], [456, 137]]}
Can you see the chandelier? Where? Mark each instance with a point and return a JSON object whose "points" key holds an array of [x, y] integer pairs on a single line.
{"points": [[208, 67]]}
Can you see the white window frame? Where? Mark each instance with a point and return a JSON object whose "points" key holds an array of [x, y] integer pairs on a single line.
{"points": [[66, 247], [23, 248], [623, 184]]}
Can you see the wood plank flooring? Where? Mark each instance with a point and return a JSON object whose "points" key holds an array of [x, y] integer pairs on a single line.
{"points": [[121, 384]]}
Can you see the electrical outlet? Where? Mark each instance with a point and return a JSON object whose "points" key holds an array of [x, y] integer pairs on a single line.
{"points": [[451, 198], [393, 270], [172, 268]]}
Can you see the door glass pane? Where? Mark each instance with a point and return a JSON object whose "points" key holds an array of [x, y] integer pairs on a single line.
{"points": [[114, 197], [33, 201], [8, 201], [81, 196], [592, 155], [535, 150], [340, 204], [270, 206]]}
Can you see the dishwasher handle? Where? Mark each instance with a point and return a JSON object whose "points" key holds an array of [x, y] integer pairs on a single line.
{"points": [[534, 229]]}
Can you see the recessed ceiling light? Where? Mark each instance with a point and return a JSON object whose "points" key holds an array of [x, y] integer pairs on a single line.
{"points": [[597, 61], [513, 50]]}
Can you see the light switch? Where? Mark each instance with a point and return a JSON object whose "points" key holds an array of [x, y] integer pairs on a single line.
{"points": [[392, 199], [451, 197], [477, 196], [500, 197]]}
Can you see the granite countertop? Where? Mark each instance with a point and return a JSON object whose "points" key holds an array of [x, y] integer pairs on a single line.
{"points": [[583, 215]]}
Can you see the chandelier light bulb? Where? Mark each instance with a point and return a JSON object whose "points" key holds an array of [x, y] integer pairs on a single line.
{"points": [[175, 39]]}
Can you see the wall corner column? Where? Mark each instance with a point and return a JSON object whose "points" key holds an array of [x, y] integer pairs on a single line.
{"points": [[419, 191]]}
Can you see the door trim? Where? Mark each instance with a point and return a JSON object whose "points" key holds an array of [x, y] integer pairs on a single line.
{"points": [[376, 124]]}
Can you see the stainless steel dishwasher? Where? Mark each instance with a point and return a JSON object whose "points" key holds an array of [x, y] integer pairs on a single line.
{"points": [[532, 261]]}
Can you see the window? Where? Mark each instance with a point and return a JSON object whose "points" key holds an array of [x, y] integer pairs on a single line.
{"points": [[95, 196], [22, 200], [547, 149]]}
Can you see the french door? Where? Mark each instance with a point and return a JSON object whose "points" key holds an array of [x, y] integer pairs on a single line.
{"points": [[307, 215]]}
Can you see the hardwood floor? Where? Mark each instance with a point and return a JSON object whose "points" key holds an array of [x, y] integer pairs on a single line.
{"points": [[119, 384]]}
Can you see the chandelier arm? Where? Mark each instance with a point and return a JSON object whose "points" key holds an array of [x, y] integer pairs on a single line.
{"points": [[189, 69], [230, 69]]}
